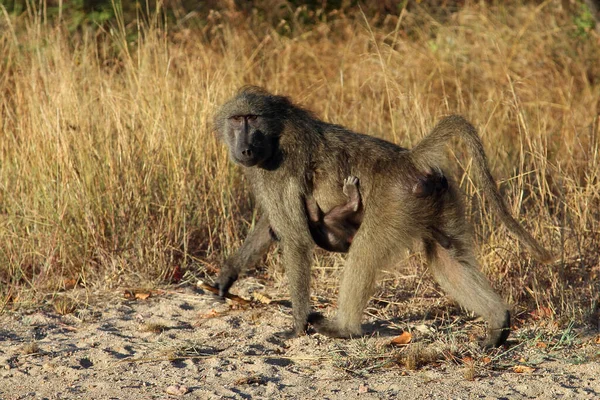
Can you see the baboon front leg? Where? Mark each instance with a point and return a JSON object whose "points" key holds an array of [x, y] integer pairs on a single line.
{"points": [[460, 278], [297, 260], [356, 288], [253, 249]]}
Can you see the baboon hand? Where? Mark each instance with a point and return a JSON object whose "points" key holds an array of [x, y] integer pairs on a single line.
{"points": [[291, 333], [226, 278], [497, 335]]}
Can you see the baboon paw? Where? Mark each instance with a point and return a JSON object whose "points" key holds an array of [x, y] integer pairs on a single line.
{"points": [[497, 336], [290, 333], [328, 327], [224, 282]]}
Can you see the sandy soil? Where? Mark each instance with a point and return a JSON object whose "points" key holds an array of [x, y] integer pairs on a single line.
{"points": [[187, 343]]}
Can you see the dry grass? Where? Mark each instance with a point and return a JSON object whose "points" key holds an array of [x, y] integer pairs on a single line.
{"points": [[111, 175]]}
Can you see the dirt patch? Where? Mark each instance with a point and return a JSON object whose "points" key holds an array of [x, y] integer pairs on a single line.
{"points": [[188, 343]]}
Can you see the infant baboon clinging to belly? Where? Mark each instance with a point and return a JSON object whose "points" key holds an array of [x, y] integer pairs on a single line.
{"points": [[335, 229]]}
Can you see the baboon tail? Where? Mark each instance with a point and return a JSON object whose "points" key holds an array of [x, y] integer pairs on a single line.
{"points": [[429, 151]]}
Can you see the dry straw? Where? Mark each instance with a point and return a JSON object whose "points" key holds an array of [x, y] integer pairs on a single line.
{"points": [[110, 173]]}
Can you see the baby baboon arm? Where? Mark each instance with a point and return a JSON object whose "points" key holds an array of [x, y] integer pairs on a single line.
{"points": [[253, 249]]}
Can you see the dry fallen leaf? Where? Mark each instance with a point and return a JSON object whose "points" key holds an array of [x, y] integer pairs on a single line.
{"points": [[486, 360], [362, 388], [541, 345], [142, 295], [467, 360], [542, 312], [70, 283], [175, 275], [402, 339], [523, 369], [211, 314], [136, 294], [598, 340], [261, 298]]}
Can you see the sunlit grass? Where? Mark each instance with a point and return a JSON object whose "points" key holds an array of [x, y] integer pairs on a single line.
{"points": [[110, 173]]}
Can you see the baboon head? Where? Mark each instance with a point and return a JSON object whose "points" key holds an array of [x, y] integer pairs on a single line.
{"points": [[251, 124]]}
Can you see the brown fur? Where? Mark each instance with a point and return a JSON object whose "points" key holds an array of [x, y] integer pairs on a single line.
{"points": [[289, 154]]}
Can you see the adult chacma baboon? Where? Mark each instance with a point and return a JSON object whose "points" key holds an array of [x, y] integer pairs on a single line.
{"points": [[289, 154]]}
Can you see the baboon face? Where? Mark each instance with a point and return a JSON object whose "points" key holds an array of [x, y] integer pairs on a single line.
{"points": [[251, 125], [249, 144]]}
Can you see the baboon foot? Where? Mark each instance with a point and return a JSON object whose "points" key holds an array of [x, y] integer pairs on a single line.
{"points": [[291, 333], [350, 184], [226, 278], [330, 328], [497, 335]]}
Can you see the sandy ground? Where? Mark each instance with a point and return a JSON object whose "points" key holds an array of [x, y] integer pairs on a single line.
{"points": [[187, 343]]}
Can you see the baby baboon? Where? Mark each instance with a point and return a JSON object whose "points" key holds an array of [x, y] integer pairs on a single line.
{"points": [[279, 144], [334, 230]]}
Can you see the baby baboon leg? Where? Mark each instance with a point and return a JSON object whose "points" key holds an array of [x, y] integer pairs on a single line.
{"points": [[253, 249], [461, 279], [351, 190]]}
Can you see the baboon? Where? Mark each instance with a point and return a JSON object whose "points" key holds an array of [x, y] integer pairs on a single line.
{"points": [[280, 145]]}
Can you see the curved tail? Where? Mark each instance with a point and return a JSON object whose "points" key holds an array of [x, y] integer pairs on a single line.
{"points": [[429, 150]]}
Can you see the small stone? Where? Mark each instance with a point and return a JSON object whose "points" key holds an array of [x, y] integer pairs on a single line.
{"points": [[176, 390], [49, 366]]}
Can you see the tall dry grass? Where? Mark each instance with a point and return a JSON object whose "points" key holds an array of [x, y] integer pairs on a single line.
{"points": [[110, 173]]}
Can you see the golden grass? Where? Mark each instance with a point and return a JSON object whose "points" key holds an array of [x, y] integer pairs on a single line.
{"points": [[111, 175]]}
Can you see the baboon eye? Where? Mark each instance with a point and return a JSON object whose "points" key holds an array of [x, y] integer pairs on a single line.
{"points": [[237, 119], [252, 117]]}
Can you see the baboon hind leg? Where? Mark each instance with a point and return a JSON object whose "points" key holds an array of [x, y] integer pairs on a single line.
{"points": [[457, 272]]}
